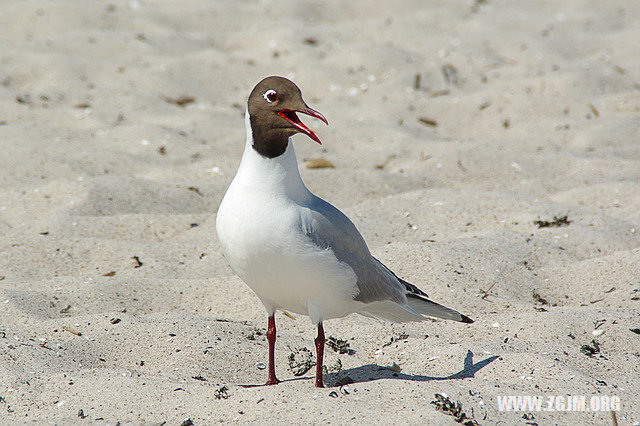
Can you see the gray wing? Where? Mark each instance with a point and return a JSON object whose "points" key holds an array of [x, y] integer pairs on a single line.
{"points": [[329, 228]]}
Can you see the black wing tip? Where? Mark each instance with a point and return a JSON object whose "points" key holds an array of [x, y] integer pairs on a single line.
{"points": [[466, 319]]}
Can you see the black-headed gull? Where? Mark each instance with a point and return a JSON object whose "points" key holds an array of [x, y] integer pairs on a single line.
{"points": [[297, 252]]}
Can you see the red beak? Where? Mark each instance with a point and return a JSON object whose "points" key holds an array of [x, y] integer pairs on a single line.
{"points": [[292, 117]]}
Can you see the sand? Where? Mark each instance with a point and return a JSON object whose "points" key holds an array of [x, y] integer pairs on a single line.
{"points": [[454, 127]]}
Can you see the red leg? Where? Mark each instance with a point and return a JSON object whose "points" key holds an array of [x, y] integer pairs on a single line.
{"points": [[320, 356], [271, 338]]}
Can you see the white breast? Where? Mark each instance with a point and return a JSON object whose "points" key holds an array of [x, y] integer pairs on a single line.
{"points": [[259, 225]]}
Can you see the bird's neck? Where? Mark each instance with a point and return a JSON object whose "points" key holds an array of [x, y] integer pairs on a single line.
{"points": [[278, 174], [266, 141]]}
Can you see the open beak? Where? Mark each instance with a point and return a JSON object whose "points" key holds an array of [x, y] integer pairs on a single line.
{"points": [[292, 117]]}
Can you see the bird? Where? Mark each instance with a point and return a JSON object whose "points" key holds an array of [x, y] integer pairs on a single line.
{"points": [[297, 252]]}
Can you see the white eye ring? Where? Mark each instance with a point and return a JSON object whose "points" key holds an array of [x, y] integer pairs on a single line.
{"points": [[270, 96]]}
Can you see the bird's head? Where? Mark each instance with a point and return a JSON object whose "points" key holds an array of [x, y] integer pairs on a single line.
{"points": [[273, 107]]}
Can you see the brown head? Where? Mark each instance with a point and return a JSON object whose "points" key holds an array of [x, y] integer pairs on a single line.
{"points": [[272, 106]]}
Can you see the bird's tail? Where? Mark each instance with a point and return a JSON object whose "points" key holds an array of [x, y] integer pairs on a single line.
{"points": [[426, 307]]}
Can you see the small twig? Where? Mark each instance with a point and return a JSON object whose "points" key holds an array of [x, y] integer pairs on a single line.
{"points": [[428, 121], [486, 292], [614, 418], [71, 330]]}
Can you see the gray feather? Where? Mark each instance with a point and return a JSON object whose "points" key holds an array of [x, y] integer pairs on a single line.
{"points": [[433, 309], [329, 228]]}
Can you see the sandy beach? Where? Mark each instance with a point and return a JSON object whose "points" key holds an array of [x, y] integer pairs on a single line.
{"points": [[488, 152]]}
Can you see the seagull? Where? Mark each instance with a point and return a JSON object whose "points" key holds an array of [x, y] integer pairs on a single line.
{"points": [[297, 252]]}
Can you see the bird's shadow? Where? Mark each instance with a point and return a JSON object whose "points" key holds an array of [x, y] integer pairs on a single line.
{"points": [[371, 372]]}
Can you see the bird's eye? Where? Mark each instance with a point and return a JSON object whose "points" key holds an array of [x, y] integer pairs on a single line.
{"points": [[270, 96]]}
